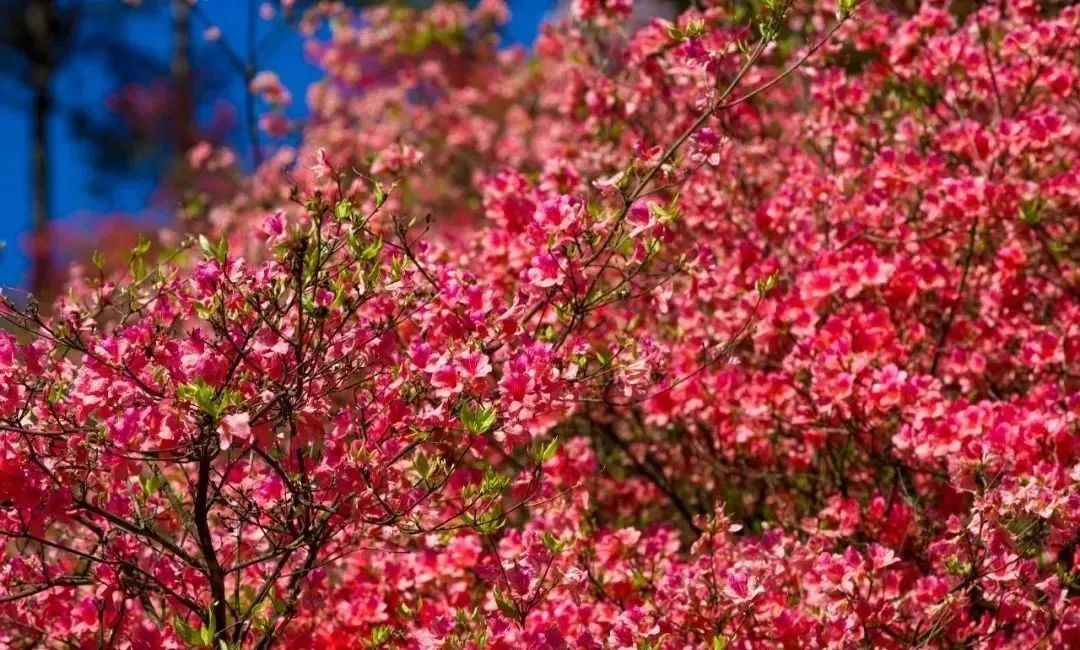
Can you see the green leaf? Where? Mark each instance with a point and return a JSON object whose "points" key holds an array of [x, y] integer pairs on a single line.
{"points": [[308, 302], [552, 543], [695, 28], [491, 524], [150, 484], [493, 482], [379, 636], [206, 633], [343, 210], [137, 267], [186, 633], [543, 452], [397, 267], [142, 246], [205, 397], [764, 285], [422, 466], [652, 247], [1030, 212], [372, 250], [217, 251], [57, 392], [478, 419], [199, 393], [380, 195], [506, 604]]}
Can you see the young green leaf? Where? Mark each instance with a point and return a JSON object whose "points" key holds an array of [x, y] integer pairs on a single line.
{"points": [[478, 419]]}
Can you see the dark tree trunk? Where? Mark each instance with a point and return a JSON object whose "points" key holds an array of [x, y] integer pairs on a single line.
{"points": [[41, 20], [183, 112]]}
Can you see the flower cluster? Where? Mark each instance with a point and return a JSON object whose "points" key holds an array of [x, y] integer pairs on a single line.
{"points": [[755, 328]]}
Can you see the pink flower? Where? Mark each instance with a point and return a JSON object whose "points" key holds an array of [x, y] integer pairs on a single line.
{"points": [[397, 159], [474, 365], [321, 166], [742, 587], [446, 381], [881, 556], [546, 271], [267, 85], [640, 217], [233, 428], [274, 124], [883, 245], [200, 154], [558, 217], [705, 146]]}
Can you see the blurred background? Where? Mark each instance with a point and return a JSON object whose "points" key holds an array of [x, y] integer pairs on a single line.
{"points": [[98, 98]]}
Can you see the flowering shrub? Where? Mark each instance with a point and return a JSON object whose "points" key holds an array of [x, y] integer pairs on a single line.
{"points": [[753, 329]]}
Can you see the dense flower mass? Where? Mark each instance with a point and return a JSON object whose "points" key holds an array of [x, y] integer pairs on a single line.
{"points": [[754, 329]]}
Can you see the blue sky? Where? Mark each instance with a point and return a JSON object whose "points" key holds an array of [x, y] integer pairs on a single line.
{"points": [[85, 82]]}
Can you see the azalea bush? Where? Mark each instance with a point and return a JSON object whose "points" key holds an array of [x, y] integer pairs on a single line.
{"points": [[757, 328]]}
